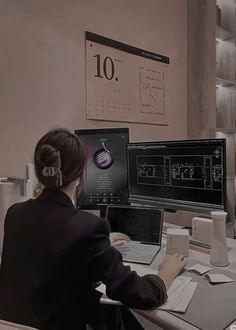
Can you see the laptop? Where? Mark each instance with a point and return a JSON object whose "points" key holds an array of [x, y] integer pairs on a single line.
{"points": [[144, 227]]}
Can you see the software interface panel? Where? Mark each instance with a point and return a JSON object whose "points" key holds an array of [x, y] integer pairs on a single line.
{"points": [[106, 179], [179, 172]]}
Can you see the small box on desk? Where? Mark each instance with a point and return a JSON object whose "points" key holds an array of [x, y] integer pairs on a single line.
{"points": [[202, 229], [177, 241]]}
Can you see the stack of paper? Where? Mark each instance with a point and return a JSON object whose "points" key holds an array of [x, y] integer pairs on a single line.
{"points": [[199, 269], [179, 293], [218, 278]]}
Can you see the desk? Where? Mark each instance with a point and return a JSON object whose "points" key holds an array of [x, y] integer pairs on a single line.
{"points": [[167, 321], [4, 325]]}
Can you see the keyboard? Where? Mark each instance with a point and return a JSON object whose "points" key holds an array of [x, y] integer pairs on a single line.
{"points": [[138, 252]]}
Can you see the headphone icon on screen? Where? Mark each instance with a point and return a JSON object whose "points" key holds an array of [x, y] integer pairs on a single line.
{"points": [[102, 158]]}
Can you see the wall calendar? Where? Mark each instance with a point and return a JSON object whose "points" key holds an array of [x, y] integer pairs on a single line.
{"points": [[124, 83]]}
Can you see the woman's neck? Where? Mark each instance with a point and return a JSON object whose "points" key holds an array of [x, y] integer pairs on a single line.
{"points": [[70, 192]]}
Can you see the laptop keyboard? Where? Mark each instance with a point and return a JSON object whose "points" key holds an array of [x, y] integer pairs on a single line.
{"points": [[137, 251]]}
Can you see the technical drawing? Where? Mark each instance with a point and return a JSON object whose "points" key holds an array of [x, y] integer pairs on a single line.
{"points": [[183, 171]]}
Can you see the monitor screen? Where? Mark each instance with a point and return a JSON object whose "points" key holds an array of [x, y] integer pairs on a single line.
{"points": [[106, 180], [184, 174], [142, 224]]}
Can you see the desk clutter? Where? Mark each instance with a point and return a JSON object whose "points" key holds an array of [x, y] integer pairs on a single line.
{"points": [[212, 278], [193, 299], [179, 293], [212, 306], [211, 233]]}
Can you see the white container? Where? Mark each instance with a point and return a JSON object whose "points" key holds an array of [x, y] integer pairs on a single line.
{"points": [[202, 229], [10, 194], [219, 252], [177, 241]]}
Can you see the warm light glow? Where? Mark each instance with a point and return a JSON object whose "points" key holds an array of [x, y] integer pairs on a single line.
{"points": [[219, 40]]}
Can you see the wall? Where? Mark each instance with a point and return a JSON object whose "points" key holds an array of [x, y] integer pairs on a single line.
{"points": [[201, 91], [42, 65]]}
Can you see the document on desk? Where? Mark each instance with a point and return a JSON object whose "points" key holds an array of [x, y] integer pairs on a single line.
{"points": [[179, 293]]}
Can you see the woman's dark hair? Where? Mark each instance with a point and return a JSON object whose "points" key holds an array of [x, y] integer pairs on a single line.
{"points": [[59, 158]]}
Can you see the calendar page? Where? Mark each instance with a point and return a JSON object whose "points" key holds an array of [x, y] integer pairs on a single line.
{"points": [[124, 83]]}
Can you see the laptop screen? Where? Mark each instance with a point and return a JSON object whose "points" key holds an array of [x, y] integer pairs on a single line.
{"points": [[141, 224]]}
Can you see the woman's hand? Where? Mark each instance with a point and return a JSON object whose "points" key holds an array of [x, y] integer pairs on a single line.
{"points": [[170, 267], [118, 239]]}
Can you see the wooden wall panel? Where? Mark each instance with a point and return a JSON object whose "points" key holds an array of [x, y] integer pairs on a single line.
{"points": [[201, 94], [225, 112]]}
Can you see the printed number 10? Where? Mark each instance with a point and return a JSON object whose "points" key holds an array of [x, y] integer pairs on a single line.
{"points": [[108, 67]]}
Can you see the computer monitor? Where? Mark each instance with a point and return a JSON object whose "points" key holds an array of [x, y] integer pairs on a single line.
{"points": [[185, 174], [106, 178]]}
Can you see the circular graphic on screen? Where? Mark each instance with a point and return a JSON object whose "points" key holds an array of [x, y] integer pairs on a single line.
{"points": [[103, 159]]}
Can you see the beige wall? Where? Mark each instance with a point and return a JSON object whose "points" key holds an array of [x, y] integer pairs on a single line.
{"points": [[42, 66]]}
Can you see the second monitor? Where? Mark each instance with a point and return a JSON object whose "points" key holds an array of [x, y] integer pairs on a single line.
{"points": [[184, 174], [105, 179]]}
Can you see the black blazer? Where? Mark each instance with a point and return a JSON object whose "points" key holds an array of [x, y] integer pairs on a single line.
{"points": [[52, 255]]}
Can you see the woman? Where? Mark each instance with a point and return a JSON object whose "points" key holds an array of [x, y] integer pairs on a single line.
{"points": [[53, 253]]}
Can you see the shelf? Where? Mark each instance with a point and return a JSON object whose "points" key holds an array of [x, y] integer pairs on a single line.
{"points": [[223, 34], [225, 130], [220, 82], [225, 96]]}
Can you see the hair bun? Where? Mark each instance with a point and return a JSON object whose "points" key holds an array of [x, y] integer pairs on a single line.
{"points": [[47, 155], [62, 153]]}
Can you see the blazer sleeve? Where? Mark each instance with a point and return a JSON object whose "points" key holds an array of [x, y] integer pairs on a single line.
{"points": [[105, 264]]}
